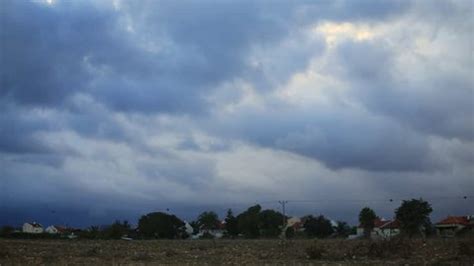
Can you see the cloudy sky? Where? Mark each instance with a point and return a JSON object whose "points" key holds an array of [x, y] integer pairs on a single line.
{"points": [[112, 109]]}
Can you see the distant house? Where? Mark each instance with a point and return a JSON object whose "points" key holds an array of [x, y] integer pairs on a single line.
{"points": [[382, 229], [388, 229], [32, 228], [215, 233], [296, 223], [188, 228], [56, 229], [454, 225]]}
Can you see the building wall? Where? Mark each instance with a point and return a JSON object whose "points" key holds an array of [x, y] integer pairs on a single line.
{"points": [[385, 233], [379, 233], [449, 231], [28, 228], [51, 230]]}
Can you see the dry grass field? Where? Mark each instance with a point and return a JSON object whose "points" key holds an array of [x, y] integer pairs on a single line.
{"points": [[261, 252]]}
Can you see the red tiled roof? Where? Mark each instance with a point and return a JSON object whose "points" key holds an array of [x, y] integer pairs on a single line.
{"points": [[462, 220], [379, 223], [395, 224], [297, 225], [61, 229], [221, 225], [34, 224]]}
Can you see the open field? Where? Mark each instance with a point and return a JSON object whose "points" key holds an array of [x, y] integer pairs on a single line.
{"points": [[332, 252]]}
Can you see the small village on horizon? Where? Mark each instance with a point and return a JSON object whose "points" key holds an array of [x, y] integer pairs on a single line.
{"points": [[450, 226]]}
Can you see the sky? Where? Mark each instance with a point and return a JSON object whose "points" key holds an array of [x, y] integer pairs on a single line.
{"points": [[113, 109]]}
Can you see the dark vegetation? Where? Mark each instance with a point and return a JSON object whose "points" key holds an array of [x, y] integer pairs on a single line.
{"points": [[161, 225], [366, 220], [321, 241], [252, 223], [414, 216], [319, 227]]}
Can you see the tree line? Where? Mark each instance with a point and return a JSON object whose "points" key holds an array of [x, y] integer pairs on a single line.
{"points": [[254, 222], [251, 223]]}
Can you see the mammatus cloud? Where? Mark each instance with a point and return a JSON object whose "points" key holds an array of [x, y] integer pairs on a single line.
{"points": [[118, 108]]}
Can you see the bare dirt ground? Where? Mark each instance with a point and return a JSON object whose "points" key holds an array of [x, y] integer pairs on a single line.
{"points": [[219, 252]]}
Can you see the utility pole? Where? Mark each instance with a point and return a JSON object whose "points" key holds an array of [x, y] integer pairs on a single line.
{"points": [[283, 204], [283, 233]]}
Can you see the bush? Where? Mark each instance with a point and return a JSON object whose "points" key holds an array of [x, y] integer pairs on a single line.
{"points": [[113, 231], [6, 231], [207, 235], [93, 232], [290, 233]]}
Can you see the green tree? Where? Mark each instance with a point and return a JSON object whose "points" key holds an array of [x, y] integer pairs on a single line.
{"points": [[413, 216], [353, 230], [195, 226], [248, 222], [208, 220], [231, 224], [342, 229], [116, 230], [270, 223], [290, 233], [92, 232], [160, 225], [366, 219], [319, 227]]}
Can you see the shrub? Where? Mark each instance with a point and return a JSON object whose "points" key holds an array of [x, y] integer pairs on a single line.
{"points": [[6, 231], [207, 235], [290, 233]]}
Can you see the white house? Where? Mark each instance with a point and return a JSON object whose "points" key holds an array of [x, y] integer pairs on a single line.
{"points": [[215, 233], [388, 229], [296, 223], [453, 225], [188, 228], [32, 228], [382, 229], [55, 229]]}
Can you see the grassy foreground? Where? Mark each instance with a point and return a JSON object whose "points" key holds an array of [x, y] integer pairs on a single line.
{"points": [[198, 252]]}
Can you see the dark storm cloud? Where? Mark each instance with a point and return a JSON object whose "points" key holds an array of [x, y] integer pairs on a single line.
{"points": [[43, 49], [52, 52], [145, 105], [441, 102], [17, 128], [193, 46], [338, 138]]}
